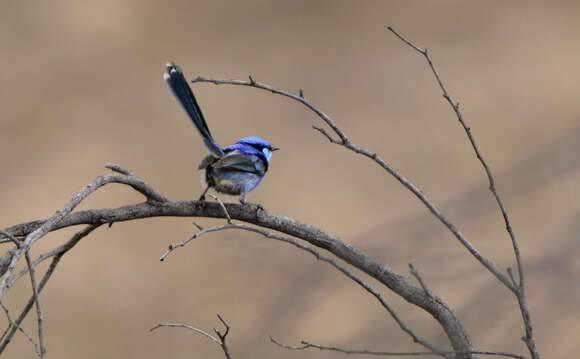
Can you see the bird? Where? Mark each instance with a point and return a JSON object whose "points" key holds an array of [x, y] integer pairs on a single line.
{"points": [[235, 169]]}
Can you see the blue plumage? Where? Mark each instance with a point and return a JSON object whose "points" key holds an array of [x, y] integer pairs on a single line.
{"points": [[236, 169]]}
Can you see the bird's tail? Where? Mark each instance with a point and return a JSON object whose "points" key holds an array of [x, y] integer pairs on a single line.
{"points": [[182, 92]]}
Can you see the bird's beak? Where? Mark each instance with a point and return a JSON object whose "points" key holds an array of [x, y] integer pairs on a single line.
{"points": [[274, 148]]}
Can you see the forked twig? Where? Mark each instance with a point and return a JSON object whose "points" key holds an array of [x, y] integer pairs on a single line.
{"points": [[35, 294], [220, 340]]}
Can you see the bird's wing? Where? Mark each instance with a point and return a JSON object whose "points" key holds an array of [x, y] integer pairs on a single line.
{"points": [[241, 162]]}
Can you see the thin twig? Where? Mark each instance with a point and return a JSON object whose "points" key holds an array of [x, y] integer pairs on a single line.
{"points": [[12, 324], [173, 247], [228, 218], [415, 274], [223, 337], [307, 345], [519, 289], [455, 106], [179, 325], [220, 340], [60, 250], [39, 316], [299, 98], [416, 338]]}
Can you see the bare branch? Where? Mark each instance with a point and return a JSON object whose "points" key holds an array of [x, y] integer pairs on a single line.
{"points": [[173, 247], [37, 303], [331, 261], [179, 325], [255, 215], [519, 289], [223, 337], [307, 345], [415, 274], [467, 129], [300, 98], [18, 327], [228, 218], [221, 340]]}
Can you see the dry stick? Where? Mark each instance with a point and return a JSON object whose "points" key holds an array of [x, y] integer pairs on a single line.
{"points": [[306, 345], [518, 288], [455, 106], [12, 324], [179, 325], [30, 266], [228, 218], [222, 337], [56, 259], [37, 304], [319, 256]]}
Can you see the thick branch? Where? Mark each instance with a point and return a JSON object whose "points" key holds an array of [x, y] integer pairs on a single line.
{"points": [[253, 214]]}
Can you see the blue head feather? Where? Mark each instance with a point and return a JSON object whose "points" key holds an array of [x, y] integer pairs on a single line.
{"points": [[253, 145], [255, 142]]}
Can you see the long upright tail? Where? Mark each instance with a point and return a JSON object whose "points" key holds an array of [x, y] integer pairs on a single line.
{"points": [[182, 92]]}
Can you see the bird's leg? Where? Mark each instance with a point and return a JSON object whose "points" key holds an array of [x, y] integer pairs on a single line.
{"points": [[202, 197]]}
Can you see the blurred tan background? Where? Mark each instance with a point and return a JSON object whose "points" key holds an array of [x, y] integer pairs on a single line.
{"points": [[82, 86]]}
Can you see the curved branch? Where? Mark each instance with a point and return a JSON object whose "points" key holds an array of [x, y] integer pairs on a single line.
{"points": [[344, 141], [252, 214]]}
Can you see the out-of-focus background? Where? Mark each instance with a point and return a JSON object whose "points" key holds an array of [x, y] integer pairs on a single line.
{"points": [[82, 86]]}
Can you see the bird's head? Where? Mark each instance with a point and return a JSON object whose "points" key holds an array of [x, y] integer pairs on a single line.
{"points": [[259, 144]]}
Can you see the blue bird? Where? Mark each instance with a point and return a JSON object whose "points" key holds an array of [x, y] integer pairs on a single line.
{"points": [[236, 169]]}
